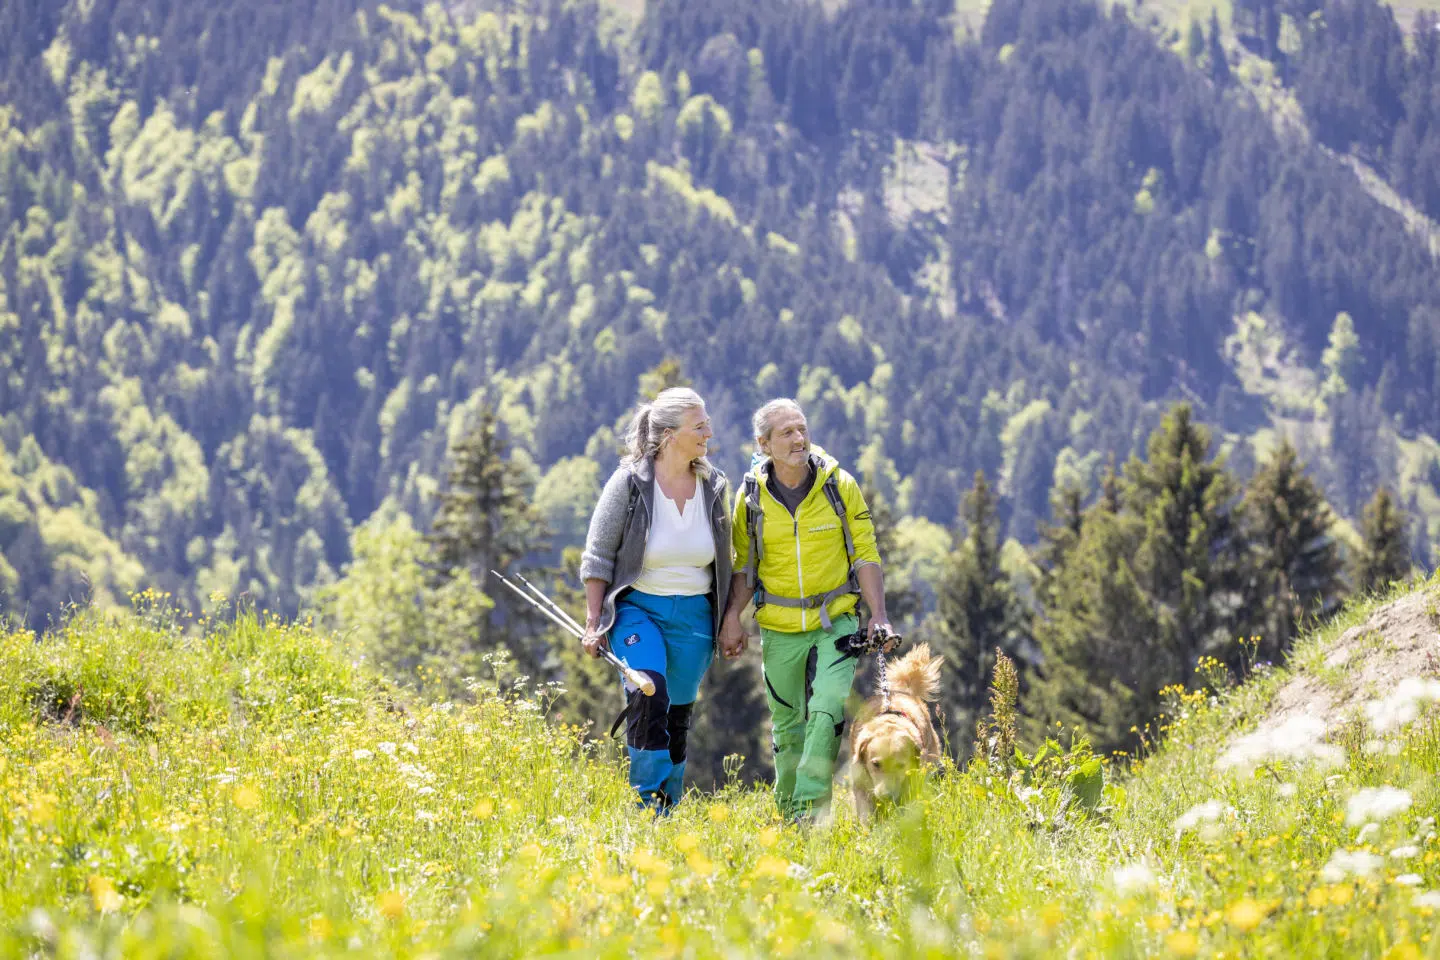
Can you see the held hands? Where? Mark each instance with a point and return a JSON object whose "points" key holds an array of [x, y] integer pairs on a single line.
{"points": [[594, 641], [732, 637]]}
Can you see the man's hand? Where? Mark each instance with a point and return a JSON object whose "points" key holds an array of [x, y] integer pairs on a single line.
{"points": [[732, 637], [880, 630], [594, 641]]}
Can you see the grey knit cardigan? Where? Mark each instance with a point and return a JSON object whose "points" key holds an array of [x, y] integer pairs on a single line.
{"points": [[620, 526]]}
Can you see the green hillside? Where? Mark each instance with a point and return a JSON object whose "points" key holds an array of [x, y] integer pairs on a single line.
{"points": [[239, 787]]}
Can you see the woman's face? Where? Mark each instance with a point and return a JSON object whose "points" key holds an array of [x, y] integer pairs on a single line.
{"points": [[691, 440], [789, 440]]}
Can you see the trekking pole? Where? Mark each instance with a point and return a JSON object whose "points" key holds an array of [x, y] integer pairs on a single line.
{"points": [[540, 595], [565, 622]]}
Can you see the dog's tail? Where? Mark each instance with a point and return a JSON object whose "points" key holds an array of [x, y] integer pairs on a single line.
{"points": [[917, 673]]}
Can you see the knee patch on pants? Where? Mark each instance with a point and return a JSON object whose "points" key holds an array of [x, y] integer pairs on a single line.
{"points": [[647, 726], [678, 726]]}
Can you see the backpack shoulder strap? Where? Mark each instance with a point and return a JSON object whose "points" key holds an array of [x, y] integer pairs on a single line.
{"points": [[754, 525], [831, 488]]}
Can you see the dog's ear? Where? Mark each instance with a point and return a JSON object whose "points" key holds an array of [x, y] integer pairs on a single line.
{"points": [[861, 746]]}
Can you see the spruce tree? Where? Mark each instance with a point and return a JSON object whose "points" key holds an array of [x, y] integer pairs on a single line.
{"points": [[1295, 561], [1190, 558], [1384, 556], [976, 612], [486, 521], [1100, 657]]}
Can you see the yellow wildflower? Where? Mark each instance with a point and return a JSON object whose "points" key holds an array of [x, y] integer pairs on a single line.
{"points": [[103, 894], [1183, 943], [246, 798], [1245, 914], [719, 813], [768, 866], [391, 904]]}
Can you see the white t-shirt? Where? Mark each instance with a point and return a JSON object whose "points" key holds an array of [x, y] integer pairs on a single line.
{"points": [[680, 550]]}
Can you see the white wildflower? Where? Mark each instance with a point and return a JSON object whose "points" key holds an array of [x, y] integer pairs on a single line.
{"points": [[386, 747], [1409, 880], [362, 754], [424, 816], [1202, 813], [1376, 803], [1405, 853], [1402, 705], [1427, 898], [797, 871], [1133, 878], [1300, 739], [1345, 863], [1287, 790], [1366, 832], [410, 748], [424, 791]]}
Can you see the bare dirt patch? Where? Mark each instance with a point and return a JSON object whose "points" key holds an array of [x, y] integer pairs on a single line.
{"points": [[1365, 662]]}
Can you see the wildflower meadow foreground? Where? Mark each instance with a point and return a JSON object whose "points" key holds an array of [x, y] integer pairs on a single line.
{"points": [[238, 787]]}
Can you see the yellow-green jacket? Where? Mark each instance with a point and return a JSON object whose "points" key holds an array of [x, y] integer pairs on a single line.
{"points": [[804, 555]]}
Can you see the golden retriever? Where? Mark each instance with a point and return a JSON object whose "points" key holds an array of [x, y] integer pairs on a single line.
{"points": [[888, 747]]}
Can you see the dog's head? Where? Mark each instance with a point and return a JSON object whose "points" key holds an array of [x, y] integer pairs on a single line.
{"points": [[889, 751]]}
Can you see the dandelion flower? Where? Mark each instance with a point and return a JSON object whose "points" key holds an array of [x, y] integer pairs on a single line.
{"points": [[103, 894], [246, 798], [700, 865], [719, 813], [1183, 943], [1376, 803], [1245, 914], [772, 867], [391, 904], [483, 809], [686, 842], [769, 837]]}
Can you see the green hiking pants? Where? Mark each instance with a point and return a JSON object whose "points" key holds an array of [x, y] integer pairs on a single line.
{"points": [[807, 682]]}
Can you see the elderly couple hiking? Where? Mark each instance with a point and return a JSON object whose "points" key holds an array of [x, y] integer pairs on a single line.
{"points": [[669, 566]]}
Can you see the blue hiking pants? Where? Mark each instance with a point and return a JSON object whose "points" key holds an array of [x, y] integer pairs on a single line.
{"points": [[671, 639]]}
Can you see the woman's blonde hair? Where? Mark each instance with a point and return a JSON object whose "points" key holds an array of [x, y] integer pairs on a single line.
{"points": [[646, 436]]}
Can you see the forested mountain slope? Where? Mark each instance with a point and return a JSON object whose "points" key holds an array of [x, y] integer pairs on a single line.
{"points": [[260, 267]]}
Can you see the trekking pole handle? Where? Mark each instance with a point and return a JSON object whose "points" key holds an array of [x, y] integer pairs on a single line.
{"points": [[636, 678]]}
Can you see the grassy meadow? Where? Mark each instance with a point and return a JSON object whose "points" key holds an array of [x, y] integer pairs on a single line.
{"points": [[237, 786]]}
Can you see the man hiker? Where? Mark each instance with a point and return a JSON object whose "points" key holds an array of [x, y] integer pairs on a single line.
{"points": [[805, 551]]}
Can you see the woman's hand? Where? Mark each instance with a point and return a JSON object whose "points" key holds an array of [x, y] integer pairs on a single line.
{"points": [[732, 637], [594, 641]]}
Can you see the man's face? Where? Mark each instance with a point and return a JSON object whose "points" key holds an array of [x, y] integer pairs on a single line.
{"points": [[789, 440]]}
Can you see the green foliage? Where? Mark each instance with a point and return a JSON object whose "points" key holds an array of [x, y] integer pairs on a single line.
{"points": [[976, 616], [387, 607], [1297, 562], [1384, 556]]}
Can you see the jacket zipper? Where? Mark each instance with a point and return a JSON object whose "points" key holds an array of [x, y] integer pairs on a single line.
{"points": [[800, 572]]}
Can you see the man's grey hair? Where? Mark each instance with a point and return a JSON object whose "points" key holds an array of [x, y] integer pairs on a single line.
{"points": [[764, 420]]}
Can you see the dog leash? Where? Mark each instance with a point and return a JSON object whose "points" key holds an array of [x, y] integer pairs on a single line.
{"points": [[884, 680]]}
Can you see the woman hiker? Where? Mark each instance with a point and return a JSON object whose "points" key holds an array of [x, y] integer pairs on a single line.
{"points": [[657, 578], [805, 549]]}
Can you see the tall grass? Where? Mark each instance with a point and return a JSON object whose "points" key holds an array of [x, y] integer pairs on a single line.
{"points": [[238, 787]]}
